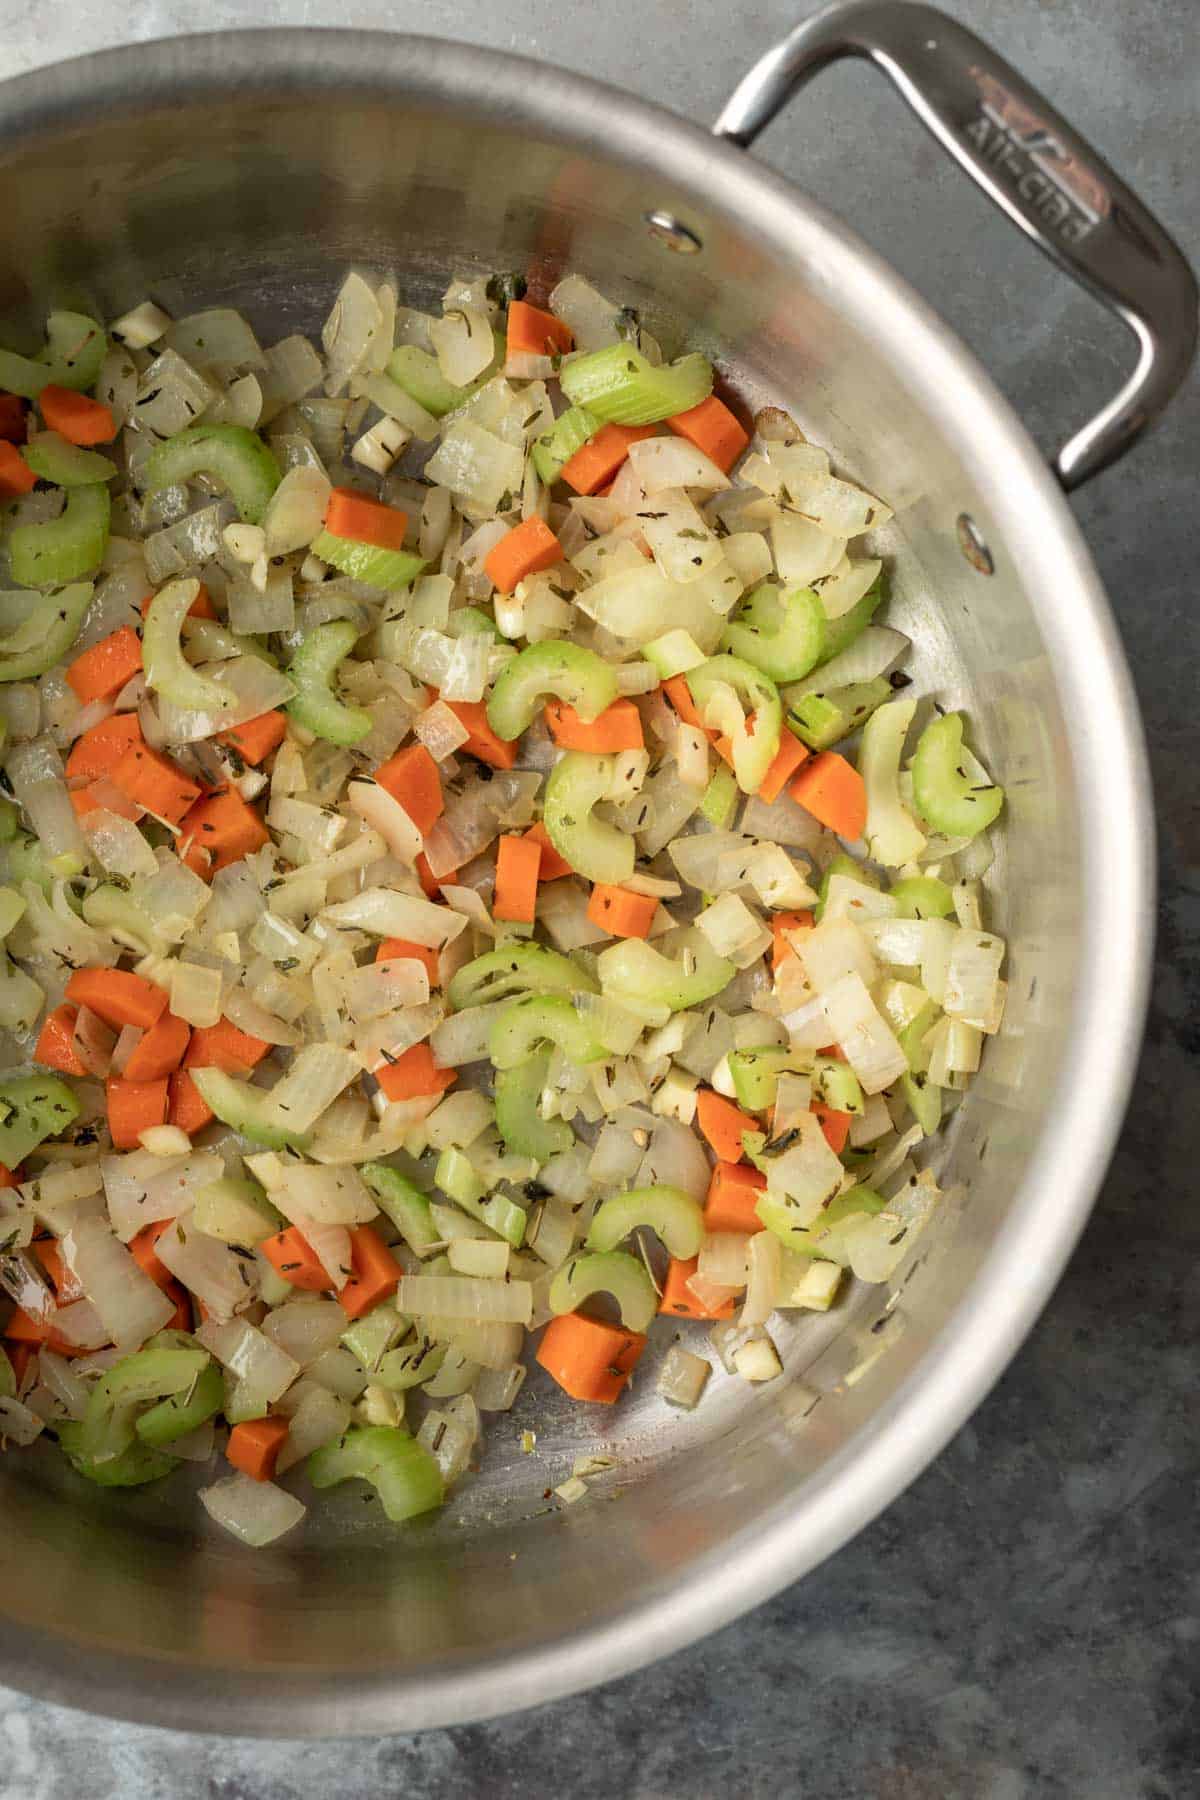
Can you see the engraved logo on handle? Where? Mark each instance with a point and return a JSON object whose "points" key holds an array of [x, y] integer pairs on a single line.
{"points": [[1019, 147]]}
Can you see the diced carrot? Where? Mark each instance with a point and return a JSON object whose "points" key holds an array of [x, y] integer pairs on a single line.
{"points": [[225, 824], [23, 1328], [680, 695], [527, 549], [144, 1254], [350, 514], [160, 1050], [835, 1125], [13, 415], [99, 750], [723, 1123], [186, 1106], [104, 669], [181, 1318], [291, 1255], [133, 1107], [589, 1361], [201, 607], [414, 1074], [534, 332], [254, 1446], [16, 476], [155, 783], [732, 1197], [833, 791], [714, 430], [620, 913], [781, 924], [411, 777], [255, 740], [430, 885], [678, 1298], [55, 1048], [594, 465], [223, 1046], [392, 948], [118, 995], [195, 857], [374, 1273], [517, 863], [76, 417], [787, 759], [8, 1178], [67, 1285], [482, 741], [619, 727], [552, 866]]}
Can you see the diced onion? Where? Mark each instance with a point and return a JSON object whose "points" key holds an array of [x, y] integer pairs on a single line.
{"points": [[254, 1512]]}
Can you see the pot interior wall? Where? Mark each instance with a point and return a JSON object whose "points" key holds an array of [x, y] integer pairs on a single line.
{"points": [[263, 206]]}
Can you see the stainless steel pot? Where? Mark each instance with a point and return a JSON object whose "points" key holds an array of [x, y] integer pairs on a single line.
{"points": [[203, 170]]}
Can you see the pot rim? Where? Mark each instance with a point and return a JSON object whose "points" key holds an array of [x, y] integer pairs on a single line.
{"points": [[1117, 878]]}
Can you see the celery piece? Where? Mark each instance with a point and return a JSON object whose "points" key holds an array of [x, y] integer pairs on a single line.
{"points": [[566, 671], [720, 798], [947, 799], [52, 458], [754, 747], [840, 633], [122, 1391], [820, 1237], [250, 1111], [71, 357], [168, 672], [110, 908], [62, 618], [669, 1212], [131, 1467], [821, 720], [641, 971], [780, 632], [315, 706], [456, 1177], [922, 897], [32, 1109], [555, 448], [612, 1272], [180, 1413], [892, 834], [63, 549], [517, 969], [924, 1101], [674, 653], [236, 1211], [404, 1204], [402, 1472], [517, 1118], [755, 1074], [470, 619], [538, 1019], [411, 1364], [231, 454], [594, 848], [387, 569], [618, 385], [417, 372], [836, 1085], [371, 1337]]}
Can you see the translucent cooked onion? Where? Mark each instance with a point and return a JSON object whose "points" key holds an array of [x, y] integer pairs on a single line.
{"points": [[130, 1307], [464, 1297], [255, 1512]]}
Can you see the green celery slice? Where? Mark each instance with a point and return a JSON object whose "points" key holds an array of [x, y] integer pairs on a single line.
{"points": [[542, 1019], [555, 448], [315, 706], [52, 458], [517, 1118], [947, 799], [618, 385], [402, 1472], [32, 1109], [753, 751], [517, 969], [231, 454], [63, 616], [71, 357], [387, 569], [669, 1212], [577, 783], [63, 549], [567, 671], [780, 632], [612, 1272]]}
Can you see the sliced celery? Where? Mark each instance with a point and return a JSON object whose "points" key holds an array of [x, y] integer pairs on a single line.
{"points": [[52, 458], [371, 1337], [720, 798], [951, 801], [457, 1178], [236, 1211], [671, 1213], [569, 433], [417, 372], [836, 1085], [32, 1109], [183, 1412], [780, 632], [820, 1238], [132, 1467], [592, 847], [74, 350], [619, 385], [110, 908], [63, 549], [640, 971], [387, 569], [821, 720], [566, 671], [315, 706], [124, 1390], [62, 617], [840, 633], [539, 1019], [754, 745], [755, 1074], [518, 1120], [674, 653], [402, 1472], [168, 671], [411, 1364], [517, 969], [231, 454], [404, 1203], [612, 1272], [250, 1111], [922, 897]]}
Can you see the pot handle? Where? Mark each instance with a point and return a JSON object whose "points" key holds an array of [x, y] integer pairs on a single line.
{"points": [[1030, 162]]}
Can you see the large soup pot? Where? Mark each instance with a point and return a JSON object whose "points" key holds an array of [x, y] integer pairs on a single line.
{"points": [[253, 174]]}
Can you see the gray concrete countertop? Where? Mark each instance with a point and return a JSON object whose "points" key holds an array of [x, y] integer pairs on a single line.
{"points": [[1024, 1622]]}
